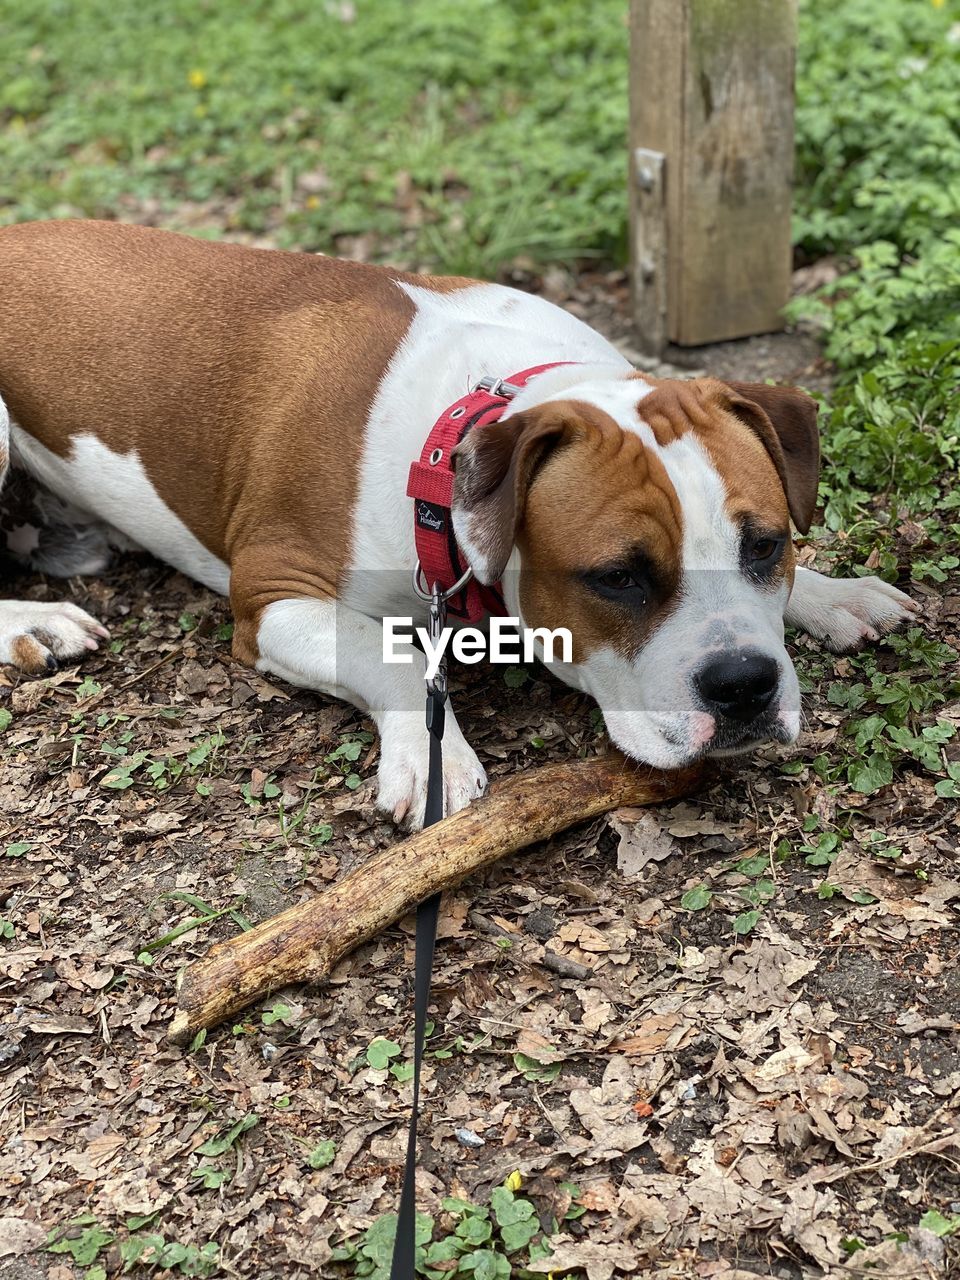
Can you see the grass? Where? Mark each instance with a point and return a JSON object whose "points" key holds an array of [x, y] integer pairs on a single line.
{"points": [[453, 134], [457, 135]]}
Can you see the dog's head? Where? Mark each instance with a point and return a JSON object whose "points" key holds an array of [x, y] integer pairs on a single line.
{"points": [[652, 519]]}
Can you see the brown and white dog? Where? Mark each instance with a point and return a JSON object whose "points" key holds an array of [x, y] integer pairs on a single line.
{"points": [[250, 416]]}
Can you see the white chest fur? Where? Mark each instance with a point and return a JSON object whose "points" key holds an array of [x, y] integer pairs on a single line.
{"points": [[454, 340]]}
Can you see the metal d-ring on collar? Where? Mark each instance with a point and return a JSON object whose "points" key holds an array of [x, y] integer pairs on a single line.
{"points": [[428, 596]]}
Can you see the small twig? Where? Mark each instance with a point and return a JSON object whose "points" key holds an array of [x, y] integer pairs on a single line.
{"points": [[564, 966], [490, 927], [142, 675], [96, 698], [546, 1115]]}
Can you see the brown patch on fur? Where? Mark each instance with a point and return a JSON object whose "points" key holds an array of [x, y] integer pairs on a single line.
{"points": [[744, 446], [734, 418], [702, 405], [791, 415], [600, 479], [755, 490], [28, 656], [228, 369]]}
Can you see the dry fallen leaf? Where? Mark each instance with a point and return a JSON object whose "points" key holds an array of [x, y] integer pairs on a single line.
{"points": [[655, 1033], [687, 820], [18, 1236], [599, 1261], [599, 1196], [790, 1061], [642, 840], [606, 1111]]}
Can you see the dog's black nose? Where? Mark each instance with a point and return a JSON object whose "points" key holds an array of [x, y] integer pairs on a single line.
{"points": [[738, 686]]}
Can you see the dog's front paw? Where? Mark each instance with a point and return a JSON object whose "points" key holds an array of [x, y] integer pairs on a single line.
{"points": [[36, 636], [404, 768], [854, 611]]}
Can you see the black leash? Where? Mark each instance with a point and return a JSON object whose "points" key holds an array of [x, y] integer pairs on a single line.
{"points": [[404, 1247]]}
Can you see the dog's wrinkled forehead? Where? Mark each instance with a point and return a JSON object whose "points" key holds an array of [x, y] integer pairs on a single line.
{"points": [[679, 453], [721, 470]]}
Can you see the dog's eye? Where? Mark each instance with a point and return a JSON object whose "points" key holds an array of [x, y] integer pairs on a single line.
{"points": [[764, 549], [623, 586], [616, 580]]}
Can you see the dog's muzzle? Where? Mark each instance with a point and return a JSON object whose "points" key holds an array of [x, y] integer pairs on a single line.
{"points": [[739, 690]]}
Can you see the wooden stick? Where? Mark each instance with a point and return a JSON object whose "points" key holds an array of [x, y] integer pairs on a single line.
{"points": [[303, 943]]}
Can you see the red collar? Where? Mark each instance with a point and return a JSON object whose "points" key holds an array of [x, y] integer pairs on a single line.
{"points": [[431, 487]]}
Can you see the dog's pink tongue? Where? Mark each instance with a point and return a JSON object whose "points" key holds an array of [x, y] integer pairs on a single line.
{"points": [[702, 729]]}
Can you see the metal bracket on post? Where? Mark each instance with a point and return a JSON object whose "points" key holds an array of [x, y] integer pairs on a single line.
{"points": [[649, 233]]}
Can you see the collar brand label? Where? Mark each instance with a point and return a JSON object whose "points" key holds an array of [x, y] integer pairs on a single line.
{"points": [[431, 517]]}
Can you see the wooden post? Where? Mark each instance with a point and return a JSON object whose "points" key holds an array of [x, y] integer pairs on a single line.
{"points": [[711, 147]]}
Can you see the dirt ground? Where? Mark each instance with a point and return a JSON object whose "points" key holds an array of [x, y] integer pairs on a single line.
{"points": [[726, 1104]]}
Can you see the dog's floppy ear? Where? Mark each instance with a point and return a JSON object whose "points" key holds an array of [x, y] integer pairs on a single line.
{"points": [[785, 420], [493, 467]]}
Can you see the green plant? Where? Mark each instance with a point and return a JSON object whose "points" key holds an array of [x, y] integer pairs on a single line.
{"points": [[879, 168], [83, 1239], [380, 1053], [346, 755], [155, 1251], [208, 915], [941, 1226], [279, 1013], [492, 1241], [322, 1154], [227, 1139], [899, 724], [371, 1254], [210, 1176], [536, 1071], [696, 899], [295, 823], [877, 155], [268, 791], [160, 772], [382, 125]]}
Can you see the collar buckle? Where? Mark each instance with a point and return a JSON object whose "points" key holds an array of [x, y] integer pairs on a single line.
{"points": [[495, 386]]}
